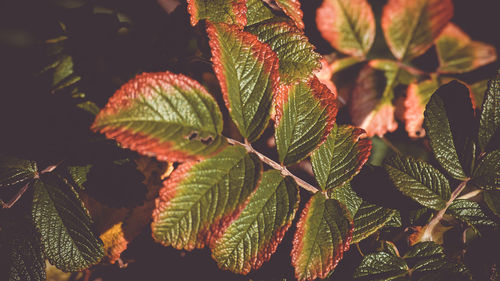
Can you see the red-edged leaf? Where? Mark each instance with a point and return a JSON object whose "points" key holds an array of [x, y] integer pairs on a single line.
{"points": [[417, 96], [248, 74], [349, 25], [166, 115], [297, 58], [369, 110], [200, 200], [340, 157], [257, 12], [324, 233], [325, 75], [292, 9], [227, 11], [410, 27], [305, 115], [253, 237], [457, 53]]}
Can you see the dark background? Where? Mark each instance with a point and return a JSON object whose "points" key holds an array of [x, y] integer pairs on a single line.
{"points": [[38, 124]]}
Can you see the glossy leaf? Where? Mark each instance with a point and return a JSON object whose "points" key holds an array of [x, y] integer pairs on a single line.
{"points": [[248, 75], [323, 234], [425, 256], [166, 115], [410, 27], [369, 110], [305, 115], [470, 212], [457, 53], [14, 170], [292, 9], [254, 236], [345, 195], [492, 200], [64, 225], [227, 11], [297, 58], [448, 121], [369, 219], [381, 266], [489, 120], [349, 26], [257, 12], [419, 181], [417, 97], [199, 200], [487, 172], [340, 157]]}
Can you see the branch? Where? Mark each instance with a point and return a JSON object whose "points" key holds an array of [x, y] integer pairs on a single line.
{"points": [[16, 197], [284, 171], [427, 235]]}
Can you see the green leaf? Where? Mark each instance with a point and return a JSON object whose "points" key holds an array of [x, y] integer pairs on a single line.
{"points": [[470, 212], [14, 170], [79, 174], [297, 58], [348, 25], [489, 120], [410, 27], [487, 173], [227, 11], [257, 12], [199, 200], [478, 90], [381, 266], [64, 225], [340, 157], [166, 115], [419, 181], [492, 200], [21, 251], [457, 53], [368, 219], [345, 195], [292, 9], [248, 75], [448, 121], [425, 256], [305, 114], [253, 237], [323, 235]]}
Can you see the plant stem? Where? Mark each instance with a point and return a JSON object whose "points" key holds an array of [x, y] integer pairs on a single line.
{"points": [[15, 198], [427, 235], [284, 171]]}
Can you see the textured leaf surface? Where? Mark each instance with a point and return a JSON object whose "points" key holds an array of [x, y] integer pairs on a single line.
{"points": [[419, 181], [199, 200], [14, 170], [410, 27], [417, 97], [22, 258], [381, 266], [487, 172], [253, 237], [492, 200], [64, 225], [425, 256], [248, 75], [369, 110], [349, 26], [166, 115], [470, 212], [489, 120], [447, 117], [305, 115], [257, 12], [457, 53], [297, 58], [323, 234], [79, 174], [348, 197], [368, 219], [292, 9], [340, 157], [227, 11]]}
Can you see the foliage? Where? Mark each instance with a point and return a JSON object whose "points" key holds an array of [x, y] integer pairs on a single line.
{"points": [[232, 158]]}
